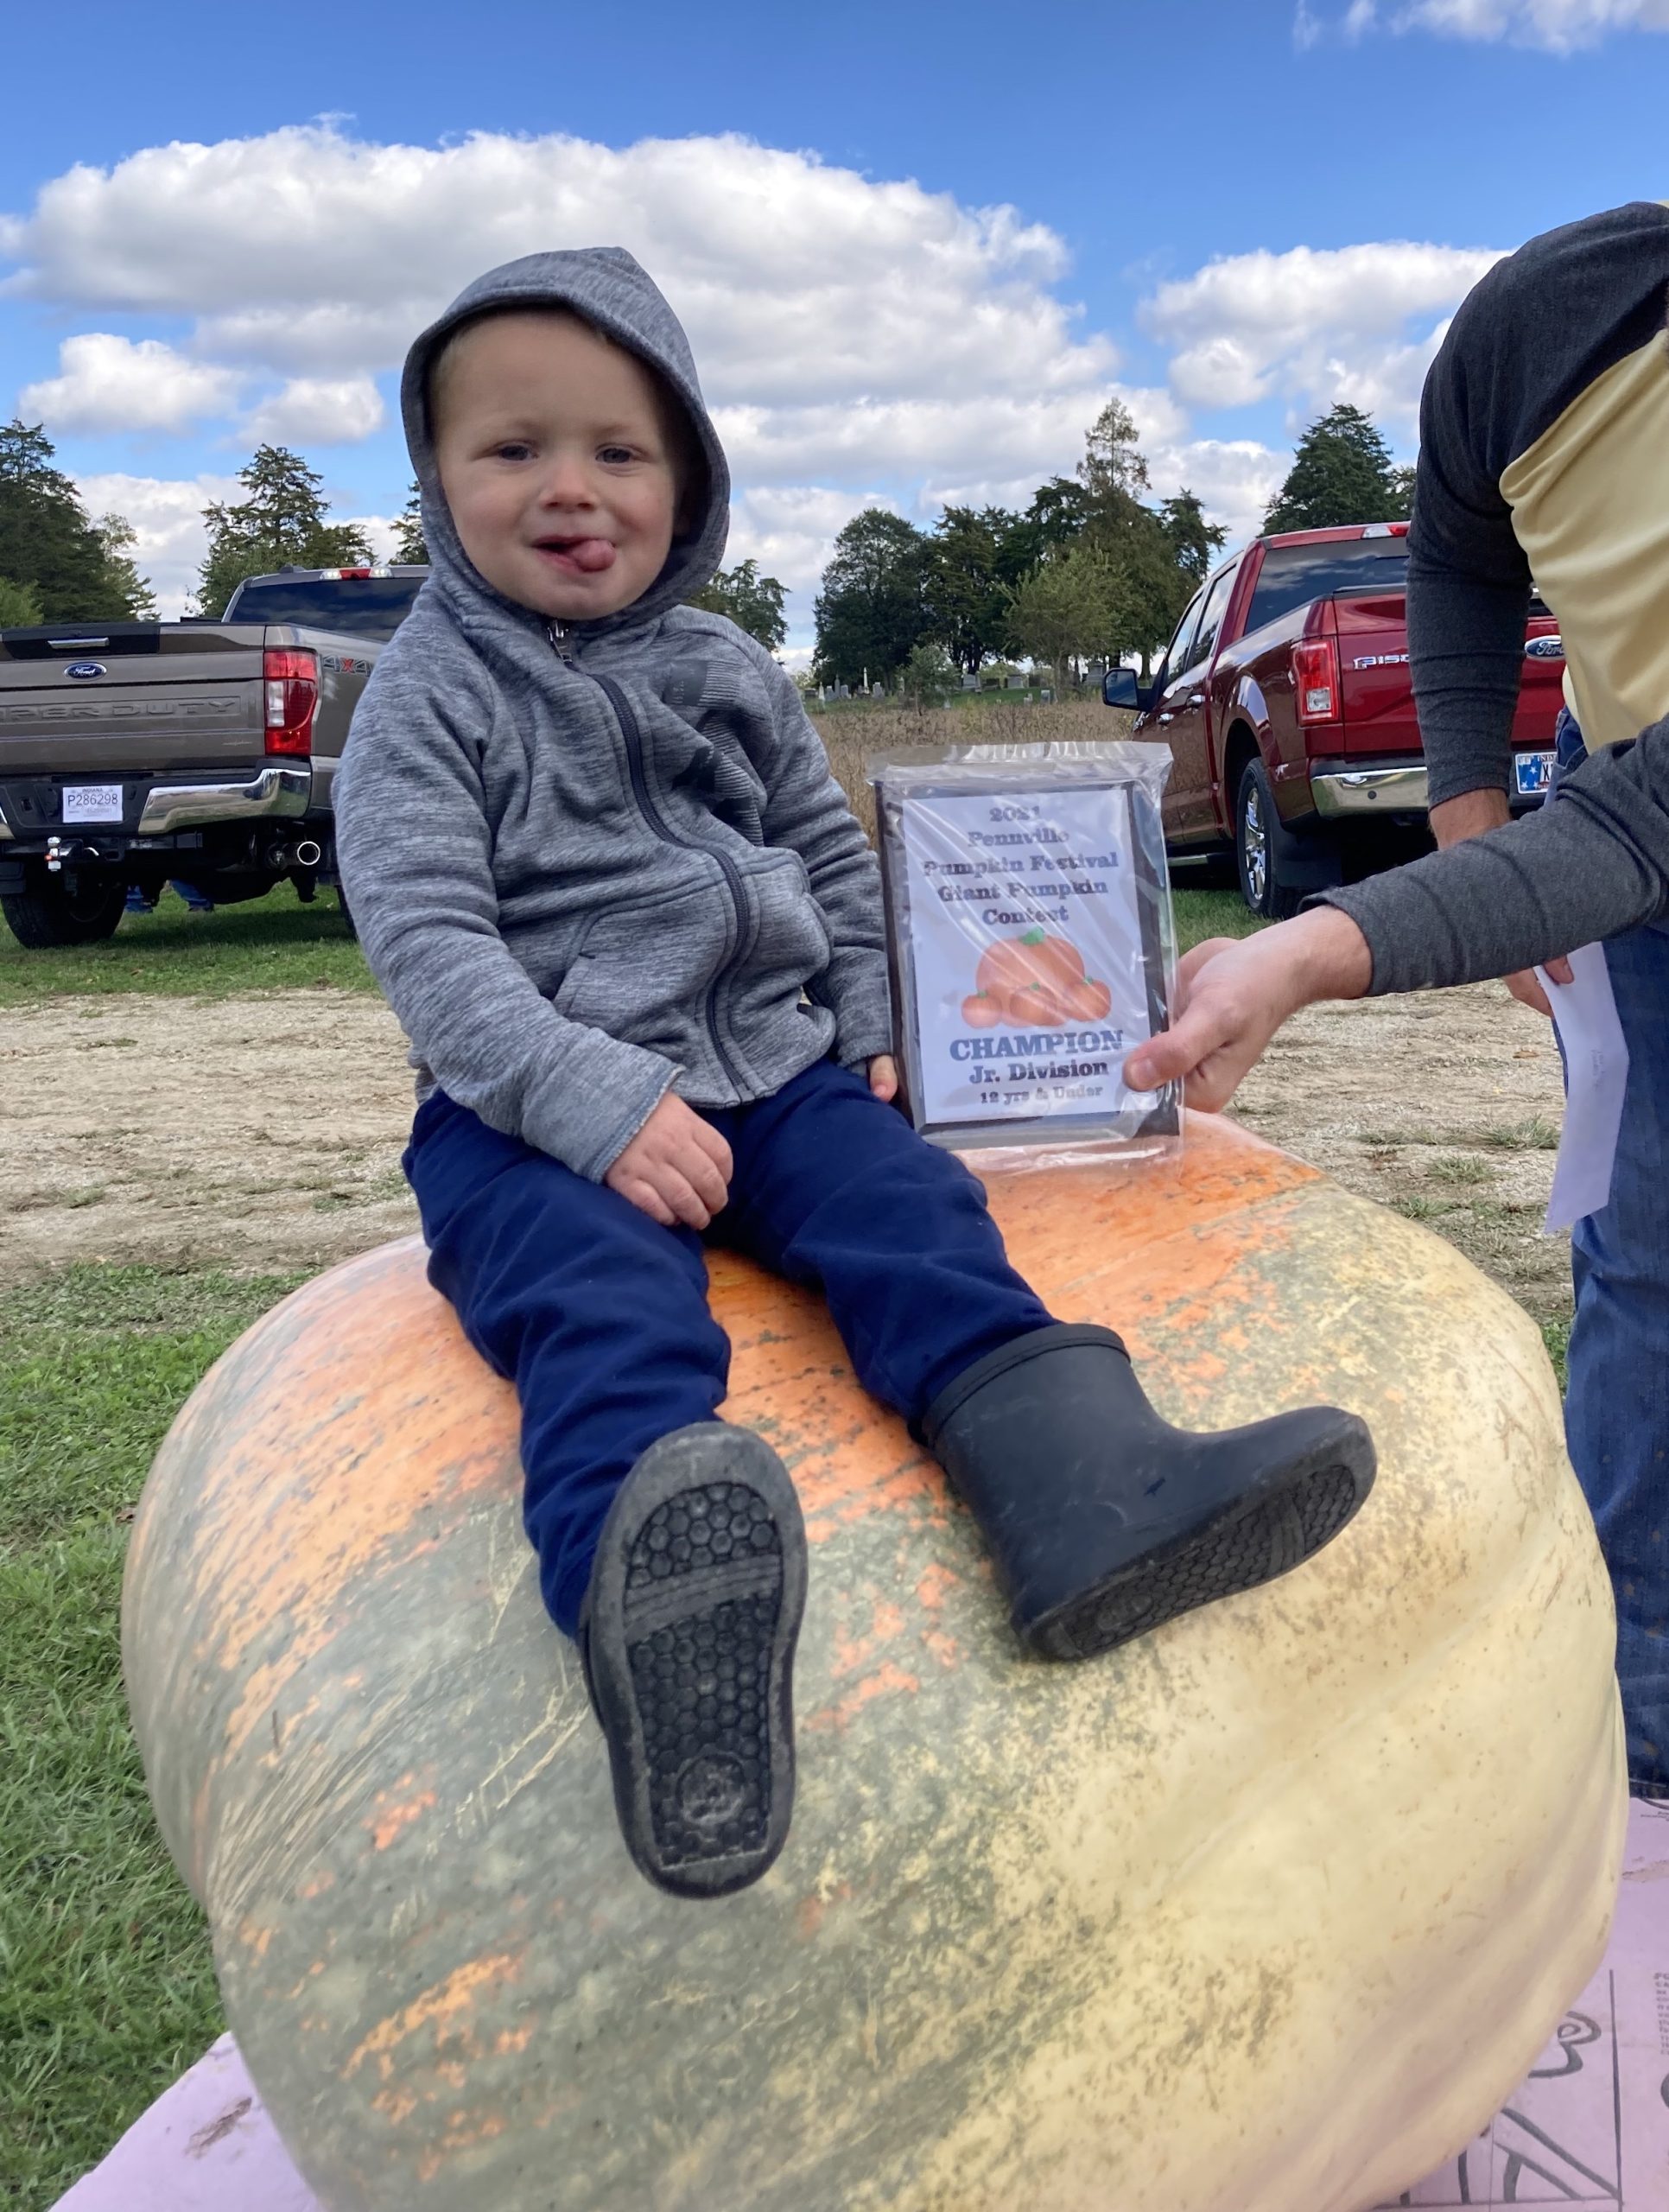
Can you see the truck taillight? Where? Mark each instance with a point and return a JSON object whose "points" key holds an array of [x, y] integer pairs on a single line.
{"points": [[1316, 680], [291, 685]]}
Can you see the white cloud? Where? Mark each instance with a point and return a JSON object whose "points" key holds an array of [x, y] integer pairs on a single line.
{"points": [[106, 383], [799, 283], [1234, 479], [319, 411], [168, 522], [169, 539], [1553, 26], [790, 530], [994, 437], [1358, 322]]}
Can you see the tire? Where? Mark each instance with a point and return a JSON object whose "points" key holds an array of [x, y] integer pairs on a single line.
{"points": [[1270, 884], [79, 906]]}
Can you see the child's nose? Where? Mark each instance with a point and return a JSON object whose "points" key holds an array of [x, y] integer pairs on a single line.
{"points": [[567, 483]]}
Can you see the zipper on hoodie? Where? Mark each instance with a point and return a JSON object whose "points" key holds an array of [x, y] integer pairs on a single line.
{"points": [[632, 735]]}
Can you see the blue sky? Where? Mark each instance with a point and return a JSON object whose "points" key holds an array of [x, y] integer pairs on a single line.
{"points": [[1229, 214]]}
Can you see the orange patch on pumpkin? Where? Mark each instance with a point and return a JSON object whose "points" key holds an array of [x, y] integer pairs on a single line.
{"points": [[448, 2007], [886, 1681]]}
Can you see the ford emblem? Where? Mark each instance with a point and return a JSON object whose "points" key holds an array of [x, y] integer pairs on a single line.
{"points": [[85, 668], [1544, 649]]}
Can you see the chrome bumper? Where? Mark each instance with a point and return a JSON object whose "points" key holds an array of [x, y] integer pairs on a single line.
{"points": [[187, 806], [1370, 791]]}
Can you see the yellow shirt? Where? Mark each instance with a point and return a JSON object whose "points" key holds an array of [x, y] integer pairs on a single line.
{"points": [[1590, 507]]}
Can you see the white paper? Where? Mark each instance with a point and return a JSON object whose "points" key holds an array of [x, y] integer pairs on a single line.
{"points": [[1056, 865], [1595, 1071], [92, 802]]}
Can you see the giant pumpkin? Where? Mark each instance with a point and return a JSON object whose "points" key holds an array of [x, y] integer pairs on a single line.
{"points": [[1263, 1913]]}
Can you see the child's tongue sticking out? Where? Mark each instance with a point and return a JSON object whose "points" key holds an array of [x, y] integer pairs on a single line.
{"points": [[587, 556]]}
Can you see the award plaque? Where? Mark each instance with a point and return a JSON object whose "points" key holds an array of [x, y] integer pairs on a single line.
{"points": [[1029, 931]]}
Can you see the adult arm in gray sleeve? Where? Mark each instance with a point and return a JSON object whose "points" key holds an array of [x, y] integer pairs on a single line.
{"points": [[807, 811], [1591, 863], [415, 848]]}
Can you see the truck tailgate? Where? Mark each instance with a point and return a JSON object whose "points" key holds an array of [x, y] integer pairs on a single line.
{"points": [[1377, 699], [1378, 695], [153, 696]]}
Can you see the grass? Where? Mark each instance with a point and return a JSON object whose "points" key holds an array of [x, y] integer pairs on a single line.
{"points": [[1458, 1169], [270, 944], [106, 1989]]}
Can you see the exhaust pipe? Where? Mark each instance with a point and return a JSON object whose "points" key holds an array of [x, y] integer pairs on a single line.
{"points": [[306, 853]]}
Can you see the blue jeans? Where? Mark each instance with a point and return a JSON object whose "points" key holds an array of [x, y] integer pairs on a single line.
{"points": [[1616, 1409], [600, 1317]]}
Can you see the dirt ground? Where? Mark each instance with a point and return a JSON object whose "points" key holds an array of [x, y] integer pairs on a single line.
{"points": [[264, 1133]]}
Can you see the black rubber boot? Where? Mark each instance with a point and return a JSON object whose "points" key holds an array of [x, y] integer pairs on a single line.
{"points": [[1104, 1520], [688, 1635]]}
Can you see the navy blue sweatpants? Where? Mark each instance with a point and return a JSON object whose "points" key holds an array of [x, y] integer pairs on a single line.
{"points": [[598, 1315]]}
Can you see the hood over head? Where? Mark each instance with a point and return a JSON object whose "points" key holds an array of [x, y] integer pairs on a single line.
{"points": [[606, 286]]}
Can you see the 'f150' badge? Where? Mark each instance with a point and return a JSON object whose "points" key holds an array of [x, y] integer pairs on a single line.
{"points": [[84, 668]]}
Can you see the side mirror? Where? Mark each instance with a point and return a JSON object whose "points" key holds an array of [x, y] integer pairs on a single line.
{"points": [[1120, 689]]}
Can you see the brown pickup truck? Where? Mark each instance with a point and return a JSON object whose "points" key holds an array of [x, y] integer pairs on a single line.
{"points": [[199, 751], [1286, 700]]}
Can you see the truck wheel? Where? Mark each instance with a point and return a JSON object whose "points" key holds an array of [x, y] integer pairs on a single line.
{"points": [[1278, 870], [79, 906]]}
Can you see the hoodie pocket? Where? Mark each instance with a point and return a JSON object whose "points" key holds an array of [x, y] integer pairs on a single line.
{"points": [[642, 972], [787, 946]]}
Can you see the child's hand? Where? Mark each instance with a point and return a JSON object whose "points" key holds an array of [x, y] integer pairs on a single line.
{"points": [[676, 1169], [1234, 994], [884, 1077]]}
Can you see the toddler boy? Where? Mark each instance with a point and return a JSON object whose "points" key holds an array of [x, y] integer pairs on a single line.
{"points": [[601, 869]]}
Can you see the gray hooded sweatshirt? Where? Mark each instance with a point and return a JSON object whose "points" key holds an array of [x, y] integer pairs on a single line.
{"points": [[592, 863]]}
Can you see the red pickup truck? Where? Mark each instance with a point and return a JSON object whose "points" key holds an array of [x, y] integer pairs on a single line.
{"points": [[1285, 699]]}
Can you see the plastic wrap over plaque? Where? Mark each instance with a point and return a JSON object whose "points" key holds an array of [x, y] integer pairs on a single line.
{"points": [[1029, 932]]}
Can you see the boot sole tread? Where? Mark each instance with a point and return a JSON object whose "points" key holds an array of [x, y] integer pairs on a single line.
{"points": [[1252, 1544], [701, 1590]]}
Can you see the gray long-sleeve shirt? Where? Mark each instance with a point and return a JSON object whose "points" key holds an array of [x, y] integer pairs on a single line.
{"points": [[1591, 863]]}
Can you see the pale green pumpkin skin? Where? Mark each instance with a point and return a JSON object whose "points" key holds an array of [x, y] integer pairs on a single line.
{"points": [[1265, 1913]]}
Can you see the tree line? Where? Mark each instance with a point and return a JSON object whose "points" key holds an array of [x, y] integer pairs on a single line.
{"points": [[1091, 568]]}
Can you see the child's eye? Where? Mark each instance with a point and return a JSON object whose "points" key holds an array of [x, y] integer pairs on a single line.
{"points": [[616, 456], [512, 449]]}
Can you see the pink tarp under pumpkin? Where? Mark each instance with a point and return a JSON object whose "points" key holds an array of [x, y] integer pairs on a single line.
{"points": [[1588, 2130]]}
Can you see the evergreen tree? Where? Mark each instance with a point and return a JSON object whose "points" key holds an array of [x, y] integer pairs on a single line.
{"points": [[1113, 467], [281, 524], [116, 534], [1193, 539], [48, 544], [872, 611], [1341, 471], [1145, 549], [1059, 509], [409, 545], [967, 601], [20, 609], [1402, 491], [752, 603]]}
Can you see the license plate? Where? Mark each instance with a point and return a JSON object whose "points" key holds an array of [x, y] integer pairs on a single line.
{"points": [[1534, 771], [92, 803]]}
